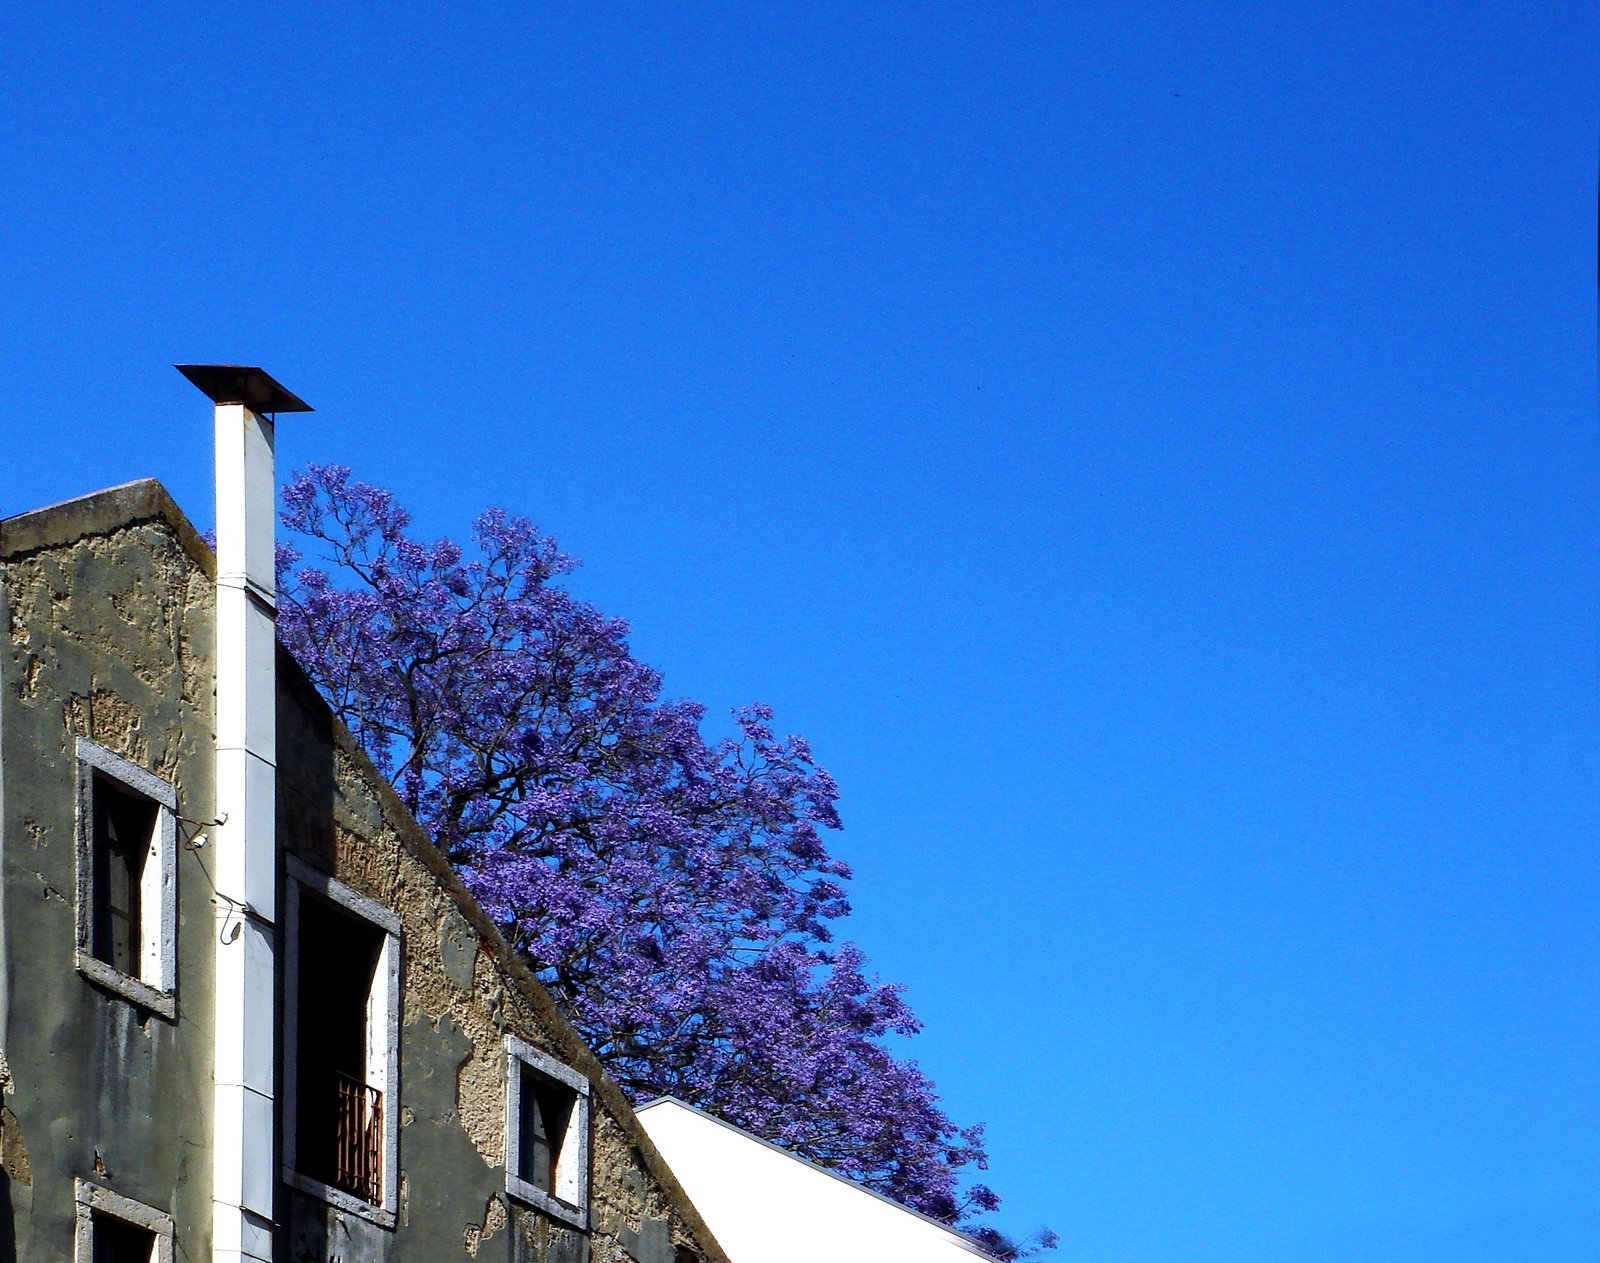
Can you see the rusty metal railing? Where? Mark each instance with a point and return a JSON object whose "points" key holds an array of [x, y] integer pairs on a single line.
{"points": [[358, 1144]]}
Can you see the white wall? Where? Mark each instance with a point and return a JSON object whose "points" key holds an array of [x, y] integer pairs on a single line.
{"points": [[767, 1206]]}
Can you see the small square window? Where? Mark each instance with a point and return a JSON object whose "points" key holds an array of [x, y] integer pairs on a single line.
{"points": [[547, 1133], [127, 879], [116, 1229]]}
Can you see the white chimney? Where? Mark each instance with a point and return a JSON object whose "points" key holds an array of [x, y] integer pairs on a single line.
{"points": [[243, 1151]]}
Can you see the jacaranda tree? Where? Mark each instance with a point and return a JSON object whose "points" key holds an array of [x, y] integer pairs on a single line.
{"points": [[674, 893]]}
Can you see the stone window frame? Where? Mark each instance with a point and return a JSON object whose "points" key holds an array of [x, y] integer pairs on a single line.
{"points": [[160, 880], [301, 876], [572, 1165], [92, 1199]]}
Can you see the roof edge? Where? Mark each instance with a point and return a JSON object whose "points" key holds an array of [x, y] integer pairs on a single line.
{"points": [[961, 1238], [101, 513]]}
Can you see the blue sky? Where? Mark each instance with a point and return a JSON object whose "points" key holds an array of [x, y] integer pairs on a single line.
{"points": [[1150, 451]]}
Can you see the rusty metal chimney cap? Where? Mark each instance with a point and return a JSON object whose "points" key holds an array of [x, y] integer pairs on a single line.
{"points": [[241, 383]]}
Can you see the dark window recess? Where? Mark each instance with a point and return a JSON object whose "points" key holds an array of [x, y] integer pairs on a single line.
{"points": [[546, 1114], [124, 824], [119, 1242], [339, 1117]]}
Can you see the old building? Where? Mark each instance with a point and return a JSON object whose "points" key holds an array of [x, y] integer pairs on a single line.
{"points": [[247, 1012]]}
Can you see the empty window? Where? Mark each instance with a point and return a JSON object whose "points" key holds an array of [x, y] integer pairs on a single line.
{"points": [[339, 1113], [116, 1229], [547, 1133], [343, 1020], [119, 1242], [542, 1124], [124, 832], [127, 878]]}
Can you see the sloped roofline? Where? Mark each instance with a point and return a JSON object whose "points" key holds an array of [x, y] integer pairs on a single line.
{"points": [[146, 500], [100, 513], [961, 1237]]}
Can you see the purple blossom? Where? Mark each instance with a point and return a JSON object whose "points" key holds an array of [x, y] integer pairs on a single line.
{"points": [[675, 894]]}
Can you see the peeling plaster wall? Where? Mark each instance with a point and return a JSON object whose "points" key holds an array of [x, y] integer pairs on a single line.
{"points": [[108, 635], [461, 995]]}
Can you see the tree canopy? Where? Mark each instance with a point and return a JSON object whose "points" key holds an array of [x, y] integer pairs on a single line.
{"points": [[675, 893]]}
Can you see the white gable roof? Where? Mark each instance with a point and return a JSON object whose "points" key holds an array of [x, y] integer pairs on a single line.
{"points": [[765, 1205]]}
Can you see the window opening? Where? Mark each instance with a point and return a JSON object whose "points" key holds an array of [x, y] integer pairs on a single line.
{"points": [[546, 1114], [342, 1045], [127, 879], [118, 1242], [547, 1133], [111, 1228], [124, 830], [339, 1124]]}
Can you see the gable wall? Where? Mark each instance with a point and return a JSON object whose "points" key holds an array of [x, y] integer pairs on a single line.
{"points": [[107, 636]]}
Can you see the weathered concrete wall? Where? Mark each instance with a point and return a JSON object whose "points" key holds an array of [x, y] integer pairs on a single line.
{"points": [[108, 636], [463, 991]]}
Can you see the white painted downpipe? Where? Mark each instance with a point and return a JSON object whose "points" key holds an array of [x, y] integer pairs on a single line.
{"points": [[245, 1166]]}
